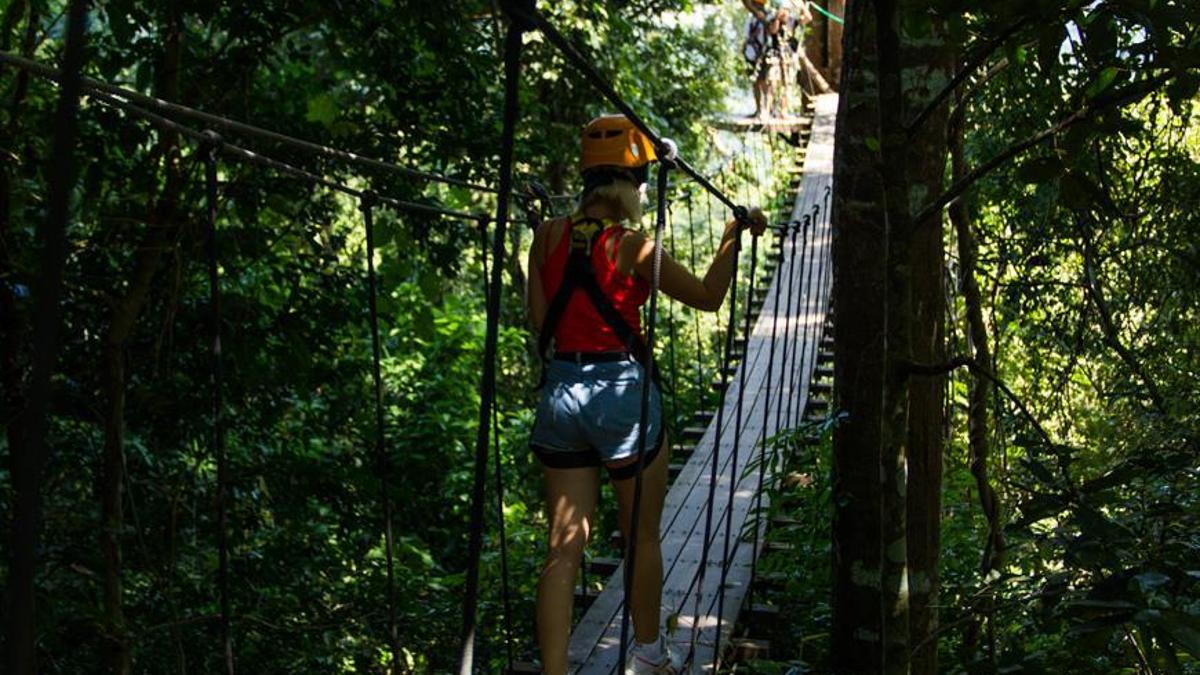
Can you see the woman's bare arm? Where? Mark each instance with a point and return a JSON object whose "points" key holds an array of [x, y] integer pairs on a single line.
{"points": [[678, 282]]}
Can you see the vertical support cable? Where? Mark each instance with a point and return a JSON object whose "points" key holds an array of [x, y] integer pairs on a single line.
{"points": [[671, 307], [700, 389], [762, 461], [788, 337], [811, 284], [500, 525], [818, 303], [716, 452], [664, 167], [487, 386], [826, 232], [734, 473], [382, 460], [216, 382]]}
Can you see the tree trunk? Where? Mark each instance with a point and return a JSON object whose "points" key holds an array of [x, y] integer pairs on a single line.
{"points": [[122, 322], [11, 329], [890, 311], [29, 457], [928, 65], [898, 323], [859, 285]]}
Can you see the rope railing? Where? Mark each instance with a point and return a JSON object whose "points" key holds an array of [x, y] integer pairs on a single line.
{"points": [[275, 164], [93, 87]]}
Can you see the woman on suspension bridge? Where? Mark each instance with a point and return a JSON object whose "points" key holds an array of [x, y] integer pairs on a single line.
{"points": [[589, 274]]}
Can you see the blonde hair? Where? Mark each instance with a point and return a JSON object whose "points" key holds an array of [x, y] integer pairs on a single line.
{"points": [[621, 195]]}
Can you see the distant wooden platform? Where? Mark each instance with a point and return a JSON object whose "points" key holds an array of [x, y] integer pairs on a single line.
{"points": [[594, 643], [779, 125]]}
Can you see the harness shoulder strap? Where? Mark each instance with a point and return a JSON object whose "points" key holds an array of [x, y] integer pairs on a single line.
{"points": [[581, 236], [580, 274]]}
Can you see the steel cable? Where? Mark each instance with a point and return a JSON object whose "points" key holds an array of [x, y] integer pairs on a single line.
{"points": [[217, 378], [664, 167], [382, 459]]}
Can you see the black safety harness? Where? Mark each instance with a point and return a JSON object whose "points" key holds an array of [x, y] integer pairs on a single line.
{"points": [[580, 274]]}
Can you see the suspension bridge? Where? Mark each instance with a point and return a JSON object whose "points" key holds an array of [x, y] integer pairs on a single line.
{"points": [[712, 531], [723, 476]]}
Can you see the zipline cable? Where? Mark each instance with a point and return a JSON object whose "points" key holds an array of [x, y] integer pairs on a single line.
{"points": [[737, 442], [500, 525], [382, 459], [217, 379], [664, 166], [217, 121], [487, 386], [283, 167]]}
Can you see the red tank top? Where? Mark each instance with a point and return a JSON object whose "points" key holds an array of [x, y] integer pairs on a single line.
{"points": [[581, 328]]}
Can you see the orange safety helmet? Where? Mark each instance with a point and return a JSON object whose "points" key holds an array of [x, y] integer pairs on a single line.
{"points": [[612, 140]]}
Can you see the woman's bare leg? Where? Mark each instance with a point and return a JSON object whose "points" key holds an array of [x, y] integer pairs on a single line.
{"points": [[570, 502], [646, 603]]}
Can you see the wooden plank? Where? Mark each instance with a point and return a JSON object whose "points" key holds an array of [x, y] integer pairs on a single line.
{"points": [[594, 647]]}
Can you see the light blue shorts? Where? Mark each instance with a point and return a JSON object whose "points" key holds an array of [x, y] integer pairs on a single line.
{"points": [[589, 414]]}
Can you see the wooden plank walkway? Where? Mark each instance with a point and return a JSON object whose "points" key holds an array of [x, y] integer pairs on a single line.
{"points": [[782, 125], [594, 643]]}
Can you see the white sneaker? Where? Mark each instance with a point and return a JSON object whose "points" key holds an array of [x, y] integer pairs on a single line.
{"points": [[657, 659]]}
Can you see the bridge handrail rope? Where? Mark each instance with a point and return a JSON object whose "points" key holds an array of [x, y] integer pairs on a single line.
{"points": [[278, 165], [216, 121]]}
